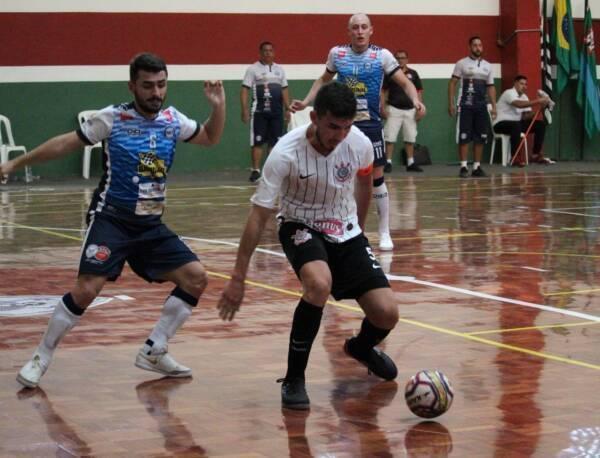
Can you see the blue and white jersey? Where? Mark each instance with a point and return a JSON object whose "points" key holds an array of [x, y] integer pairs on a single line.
{"points": [[363, 73], [138, 154], [475, 76]]}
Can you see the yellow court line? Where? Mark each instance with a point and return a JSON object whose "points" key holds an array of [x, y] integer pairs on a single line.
{"points": [[433, 328], [45, 231], [579, 291], [530, 328], [402, 320]]}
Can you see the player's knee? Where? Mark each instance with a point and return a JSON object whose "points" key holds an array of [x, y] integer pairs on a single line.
{"points": [[317, 289], [196, 284]]}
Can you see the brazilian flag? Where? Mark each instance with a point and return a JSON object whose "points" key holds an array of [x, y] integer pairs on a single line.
{"points": [[563, 40]]}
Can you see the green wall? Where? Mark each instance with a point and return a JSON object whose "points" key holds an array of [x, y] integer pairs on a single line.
{"points": [[41, 110]]}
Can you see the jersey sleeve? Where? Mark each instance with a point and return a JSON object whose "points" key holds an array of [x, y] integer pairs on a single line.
{"points": [[284, 82], [389, 62], [274, 172], [417, 81], [248, 80], [457, 72], [188, 127], [490, 78], [330, 64], [98, 126]]}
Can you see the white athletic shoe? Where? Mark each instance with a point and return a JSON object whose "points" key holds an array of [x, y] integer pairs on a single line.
{"points": [[385, 242], [31, 373], [161, 362]]}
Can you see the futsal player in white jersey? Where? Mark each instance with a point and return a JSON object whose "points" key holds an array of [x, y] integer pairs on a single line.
{"points": [[319, 177], [362, 67]]}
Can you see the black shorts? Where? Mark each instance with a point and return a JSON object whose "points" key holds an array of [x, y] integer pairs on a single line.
{"points": [[473, 124], [375, 134], [150, 250], [354, 268], [265, 128]]}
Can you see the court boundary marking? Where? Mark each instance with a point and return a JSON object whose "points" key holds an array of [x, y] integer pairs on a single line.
{"points": [[402, 320]]}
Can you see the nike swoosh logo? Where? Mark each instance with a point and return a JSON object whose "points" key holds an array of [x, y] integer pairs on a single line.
{"points": [[304, 177]]}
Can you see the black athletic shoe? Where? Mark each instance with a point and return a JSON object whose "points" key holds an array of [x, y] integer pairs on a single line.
{"points": [[413, 168], [387, 168], [464, 172], [254, 175], [377, 362], [478, 172], [293, 394]]}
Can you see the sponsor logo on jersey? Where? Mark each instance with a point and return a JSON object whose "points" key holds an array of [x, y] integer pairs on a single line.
{"points": [[151, 166], [358, 87], [169, 132], [329, 226], [341, 53], [301, 236], [373, 55], [134, 132], [126, 116], [343, 172], [168, 115], [17, 306]]}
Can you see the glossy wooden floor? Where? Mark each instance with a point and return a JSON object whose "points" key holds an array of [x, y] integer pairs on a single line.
{"points": [[498, 285]]}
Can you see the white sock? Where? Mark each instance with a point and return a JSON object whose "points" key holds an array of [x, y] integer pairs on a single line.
{"points": [[61, 322], [463, 163], [175, 312], [382, 202], [410, 161], [476, 165], [389, 161]]}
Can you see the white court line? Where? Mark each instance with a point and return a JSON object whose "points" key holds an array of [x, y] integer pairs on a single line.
{"points": [[408, 279], [534, 269], [547, 308]]}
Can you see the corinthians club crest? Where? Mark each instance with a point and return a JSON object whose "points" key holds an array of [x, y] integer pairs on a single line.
{"points": [[343, 172]]}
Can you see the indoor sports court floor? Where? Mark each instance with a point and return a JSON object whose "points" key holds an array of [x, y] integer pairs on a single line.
{"points": [[498, 285]]}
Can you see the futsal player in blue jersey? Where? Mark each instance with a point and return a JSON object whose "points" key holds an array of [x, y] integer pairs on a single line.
{"points": [[124, 217], [362, 67]]}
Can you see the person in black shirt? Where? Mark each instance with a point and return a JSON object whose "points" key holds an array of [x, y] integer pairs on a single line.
{"points": [[400, 114]]}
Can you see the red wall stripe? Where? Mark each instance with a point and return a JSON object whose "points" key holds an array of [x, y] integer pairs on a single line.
{"points": [[112, 38]]}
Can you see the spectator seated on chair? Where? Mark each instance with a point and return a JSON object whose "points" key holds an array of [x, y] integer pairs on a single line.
{"points": [[514, 115]]}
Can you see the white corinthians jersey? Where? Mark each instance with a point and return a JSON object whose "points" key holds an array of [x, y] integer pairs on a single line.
{"points": [[314, 189]]}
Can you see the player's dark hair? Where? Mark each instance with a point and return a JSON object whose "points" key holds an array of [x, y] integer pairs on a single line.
{"points": [[401, 51], [147, 62], [337, 99], [520, 77], [473, 38], [263, 44]]}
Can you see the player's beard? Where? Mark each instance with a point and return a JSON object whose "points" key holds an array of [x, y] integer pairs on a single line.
{"points": [[152, 105]]}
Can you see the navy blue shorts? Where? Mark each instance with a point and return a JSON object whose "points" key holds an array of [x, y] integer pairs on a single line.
{"points": [[473, 124], [375, 134], [354, 268], [265, 128], [150, 250]]}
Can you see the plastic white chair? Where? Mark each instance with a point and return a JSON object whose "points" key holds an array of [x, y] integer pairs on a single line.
{"points": [[505, 144], [82, 117], [300, 118], [7, 146]]}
